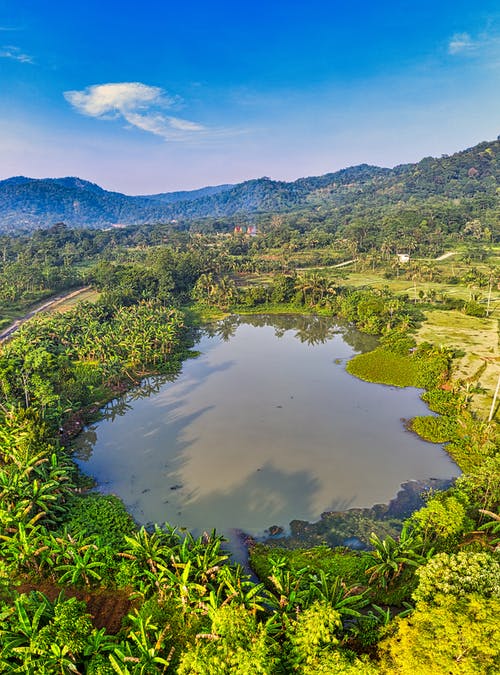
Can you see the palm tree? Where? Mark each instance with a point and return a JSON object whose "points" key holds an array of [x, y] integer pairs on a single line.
{"points": [[303, 285]]}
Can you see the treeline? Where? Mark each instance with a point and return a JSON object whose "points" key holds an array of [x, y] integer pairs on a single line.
{"points": [[60, 363], [470, 178], [58, 259], [48, 261], [373, 311]]}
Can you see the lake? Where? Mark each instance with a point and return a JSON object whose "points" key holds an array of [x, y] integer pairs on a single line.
{"points": [[264, 427]]}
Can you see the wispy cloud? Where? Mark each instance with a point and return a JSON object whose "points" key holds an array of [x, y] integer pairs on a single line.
{"points": [[140, 105], [14, 53], [463, 43]]}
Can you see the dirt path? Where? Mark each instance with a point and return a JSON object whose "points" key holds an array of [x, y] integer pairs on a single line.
{"points": [[53, 302], [446, 255], [328, 267]]}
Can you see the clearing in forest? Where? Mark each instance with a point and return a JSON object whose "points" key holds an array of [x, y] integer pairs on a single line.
{"points": [[478, 339]]}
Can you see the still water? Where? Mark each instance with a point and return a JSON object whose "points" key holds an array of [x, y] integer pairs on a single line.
{"points": [[263, 427]]}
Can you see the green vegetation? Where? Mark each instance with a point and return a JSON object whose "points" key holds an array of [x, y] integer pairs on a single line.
{"points": [[410, 206], [435, 429], [82, 589], [95, 515], [385, 367], [348, 565], [451, 635], [459, 574]]}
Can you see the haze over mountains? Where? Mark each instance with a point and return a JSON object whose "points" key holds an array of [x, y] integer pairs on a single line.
{"points": [[28, 203]]}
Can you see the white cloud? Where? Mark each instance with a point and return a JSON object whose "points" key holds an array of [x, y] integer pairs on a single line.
{"points": [[460, 43], [15, 54], [140, 105], [184, 125]]}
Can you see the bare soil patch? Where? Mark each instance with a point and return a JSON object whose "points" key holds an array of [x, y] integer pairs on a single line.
{"points": [[106, 608]]}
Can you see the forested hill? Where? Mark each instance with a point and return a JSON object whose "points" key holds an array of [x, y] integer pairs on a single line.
{"points": [[27, 203], [188, 195]]}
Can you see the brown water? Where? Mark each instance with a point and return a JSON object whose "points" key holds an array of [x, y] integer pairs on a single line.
{"points": [[263, 427]]}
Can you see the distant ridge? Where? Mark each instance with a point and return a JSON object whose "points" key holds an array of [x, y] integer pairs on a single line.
{"points": [[188, 195], [29, 203]]}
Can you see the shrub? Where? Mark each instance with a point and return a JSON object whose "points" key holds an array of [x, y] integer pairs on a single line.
{"points": [[458, 574], [450, 637], [443, 520], [473, 308], [234, 645], [397, 342], [434, 429], [441, 401], [103, 515], [481, 485], [313, 648]]}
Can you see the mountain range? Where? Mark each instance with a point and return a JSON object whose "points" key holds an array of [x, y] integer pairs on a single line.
{"points": [[29, 203]]}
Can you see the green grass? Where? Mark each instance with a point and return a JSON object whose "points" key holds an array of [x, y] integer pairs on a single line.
{"points": [[282, 308], [348, 565], [198, 314], [385, 367], [87, 296]]}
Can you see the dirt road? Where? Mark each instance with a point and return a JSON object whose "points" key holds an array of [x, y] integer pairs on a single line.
{"points": [[42, 308]]}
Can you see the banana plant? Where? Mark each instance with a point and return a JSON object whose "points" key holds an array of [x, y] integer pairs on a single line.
{"points": [[492, 528], [287, 592], [20, 625], [142, 653], [57, 659], [235, 586], [82, 566], [184, 585], [332, 590], [390, 556], [25, 547], [148, 550]]}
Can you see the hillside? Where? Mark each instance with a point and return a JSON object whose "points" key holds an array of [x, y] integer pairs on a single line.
{"points": [[188, 195], [27, 203]]}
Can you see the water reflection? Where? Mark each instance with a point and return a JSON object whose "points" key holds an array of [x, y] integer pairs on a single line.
{"points": [[308, 329], [262, 428]]}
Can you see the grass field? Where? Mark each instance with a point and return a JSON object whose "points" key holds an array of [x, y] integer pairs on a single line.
{"points": [[478, 339], [88, 295]]}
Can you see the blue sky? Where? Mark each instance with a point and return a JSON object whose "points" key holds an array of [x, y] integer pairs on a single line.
{"points": [[152, 96]]}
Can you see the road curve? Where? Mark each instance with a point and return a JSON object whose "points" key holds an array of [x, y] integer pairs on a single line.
{"points": [[42, 308]]}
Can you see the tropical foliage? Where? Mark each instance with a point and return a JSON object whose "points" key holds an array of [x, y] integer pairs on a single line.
{"points": [[83, 589]]}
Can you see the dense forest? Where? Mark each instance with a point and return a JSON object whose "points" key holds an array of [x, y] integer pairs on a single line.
{"points": [[446, 193]]}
